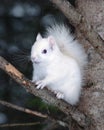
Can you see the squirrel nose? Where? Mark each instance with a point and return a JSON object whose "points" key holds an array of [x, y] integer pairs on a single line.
{"points": [[33, 59]]}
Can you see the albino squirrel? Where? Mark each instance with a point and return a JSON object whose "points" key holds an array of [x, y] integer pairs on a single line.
{"points": [[58, 63]]}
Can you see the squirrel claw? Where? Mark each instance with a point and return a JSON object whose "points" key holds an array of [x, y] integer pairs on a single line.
{"points": [[60, 95], [40, 84]]}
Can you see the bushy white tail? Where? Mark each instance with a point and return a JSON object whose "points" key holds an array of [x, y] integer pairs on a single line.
{"points": [[67, 44]]}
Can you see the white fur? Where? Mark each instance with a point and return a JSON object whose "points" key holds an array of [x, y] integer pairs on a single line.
{"points": [[66, 43], [61, 68]]}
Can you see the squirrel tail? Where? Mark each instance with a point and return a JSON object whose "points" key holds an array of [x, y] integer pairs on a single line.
{"points": [[67, 43]]}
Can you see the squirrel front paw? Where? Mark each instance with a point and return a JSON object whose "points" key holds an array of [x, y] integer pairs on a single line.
{"points": [[40, 84]]}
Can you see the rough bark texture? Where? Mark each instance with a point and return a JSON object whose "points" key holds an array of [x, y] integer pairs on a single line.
{"points": [[93, 10], [93, 98]]}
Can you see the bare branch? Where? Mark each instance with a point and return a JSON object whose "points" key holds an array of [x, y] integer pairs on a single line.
{"points": [[19, 124], [28, 111], [23, 109], [78, 21]]}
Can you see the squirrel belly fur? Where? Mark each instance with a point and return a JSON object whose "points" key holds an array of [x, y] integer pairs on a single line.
{"points": [[58, 63]]}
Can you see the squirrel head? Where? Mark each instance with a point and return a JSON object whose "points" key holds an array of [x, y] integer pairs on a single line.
{"points": [[43, 50]]}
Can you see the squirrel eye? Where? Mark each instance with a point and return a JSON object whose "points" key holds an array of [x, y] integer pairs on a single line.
{"points": [[44, 51]]}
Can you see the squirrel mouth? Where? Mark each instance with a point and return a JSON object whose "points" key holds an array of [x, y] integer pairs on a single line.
{"points": [[36, 62]]}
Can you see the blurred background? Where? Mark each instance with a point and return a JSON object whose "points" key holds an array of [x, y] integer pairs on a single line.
{"points": [[20, 21]]}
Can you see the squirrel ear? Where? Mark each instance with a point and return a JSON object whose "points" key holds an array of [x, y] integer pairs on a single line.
{"points": [[39, 37], [52, 42]]}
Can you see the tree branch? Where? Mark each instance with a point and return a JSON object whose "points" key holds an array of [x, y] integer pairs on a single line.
{"points": [[28, 111], [79, 22], [23, 109], [19, 124], [44, 94]]}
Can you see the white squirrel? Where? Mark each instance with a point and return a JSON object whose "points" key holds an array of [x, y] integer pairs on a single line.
{"points": [[58, 63]]}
